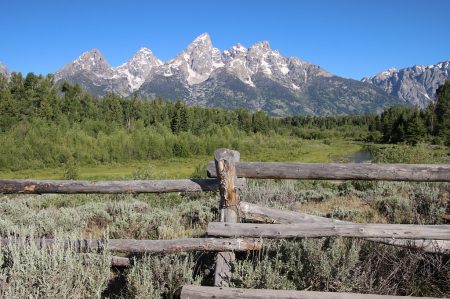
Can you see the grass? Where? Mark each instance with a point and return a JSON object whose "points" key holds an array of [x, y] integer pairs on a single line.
{"points": [[271, 150], [173, 168], [324, 264]]}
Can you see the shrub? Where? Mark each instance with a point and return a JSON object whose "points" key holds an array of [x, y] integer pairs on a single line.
{"points": [[405, 154], [199, 172], [27, 271], [344, 213], [161, 275], [320, 264], [70, 170], [181, 149]]}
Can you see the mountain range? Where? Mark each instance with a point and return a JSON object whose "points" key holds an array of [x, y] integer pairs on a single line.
{"points": [[414, 85], [256, 78]]}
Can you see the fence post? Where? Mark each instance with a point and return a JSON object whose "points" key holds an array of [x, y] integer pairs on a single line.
{"points": [[228, 210]]}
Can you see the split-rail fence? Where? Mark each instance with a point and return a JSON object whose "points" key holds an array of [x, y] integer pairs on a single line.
{"points": [[231, 177]]}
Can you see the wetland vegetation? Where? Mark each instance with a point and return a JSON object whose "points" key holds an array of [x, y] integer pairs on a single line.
{"points": [[62, 132]]}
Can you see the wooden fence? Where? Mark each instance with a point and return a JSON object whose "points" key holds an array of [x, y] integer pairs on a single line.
{"points": [[231, 178]]}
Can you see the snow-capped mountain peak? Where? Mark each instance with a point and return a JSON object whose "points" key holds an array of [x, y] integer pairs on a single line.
{"points": [[123, 79], [414, 85], [196, 63], [88, 61]]}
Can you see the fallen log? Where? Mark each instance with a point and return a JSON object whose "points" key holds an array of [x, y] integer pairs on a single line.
{"points": [[198, 292], [149, 246], [317, 230], [258, 213], [110, 187], [340, 171]]}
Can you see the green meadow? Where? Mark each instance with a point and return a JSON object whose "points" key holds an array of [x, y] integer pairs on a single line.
{"points": [[279, 149]]}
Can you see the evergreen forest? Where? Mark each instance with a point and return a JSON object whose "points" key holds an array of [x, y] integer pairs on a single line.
{"points": [[47, 125]]}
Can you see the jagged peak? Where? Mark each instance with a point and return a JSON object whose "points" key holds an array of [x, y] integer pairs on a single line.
{"points": [[145, 50], [200, 42], [261, 45], [233, 51], [91, 59], [239, 48], [203, 37], [94, 53], [141, 57]]}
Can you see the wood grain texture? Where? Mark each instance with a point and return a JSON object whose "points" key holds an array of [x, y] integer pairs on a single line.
{"points": [[153, 246], [110, 187], [225, 160], [340, 171], [259, 213], [117, 261], [198, 292], [316, 230]]}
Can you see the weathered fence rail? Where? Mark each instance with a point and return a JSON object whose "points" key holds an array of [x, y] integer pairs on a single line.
{"points": [[317, 230], [258, 213], [197, 292], [149, 246], [340, 171], [110, 187]]}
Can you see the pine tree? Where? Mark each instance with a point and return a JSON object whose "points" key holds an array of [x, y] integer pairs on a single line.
{"points": [[442, 111], [116, 111], [184, 118], [429, 117], [415, 127]]}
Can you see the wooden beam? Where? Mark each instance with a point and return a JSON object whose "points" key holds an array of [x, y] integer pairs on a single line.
{"points": [[224, 160], [151, 246], [316, 230], [258, 213], [117, 261], [198, 292], [110, 187], [340, 171]]}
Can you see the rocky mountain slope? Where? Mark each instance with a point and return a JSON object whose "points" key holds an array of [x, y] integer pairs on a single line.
{"points": [[257, 78], [4, 70], [414, 85], [97, 76]]}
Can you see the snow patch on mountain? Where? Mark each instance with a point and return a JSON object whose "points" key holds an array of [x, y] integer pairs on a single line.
{"points": [[199, 73]]}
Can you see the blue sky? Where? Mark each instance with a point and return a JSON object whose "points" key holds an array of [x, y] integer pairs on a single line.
{"points": [[347, 38]]}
